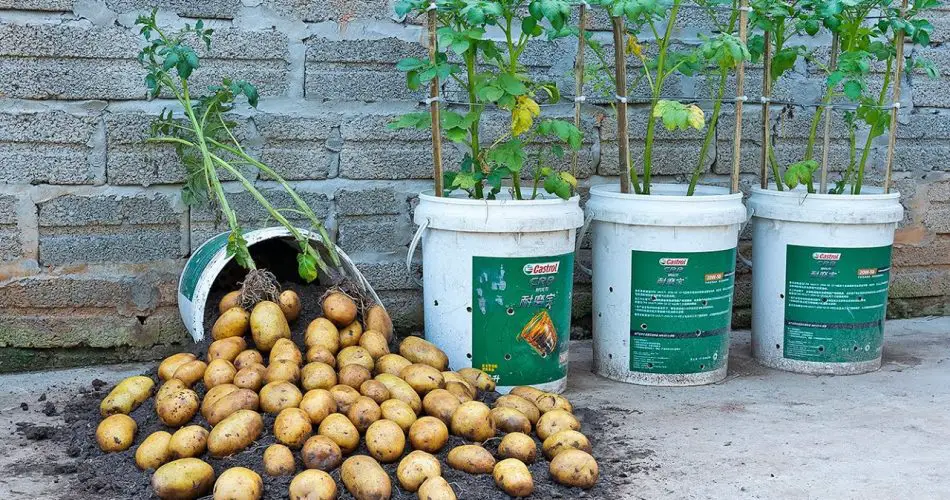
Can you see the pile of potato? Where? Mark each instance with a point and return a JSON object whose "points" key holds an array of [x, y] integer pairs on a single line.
{"points": [[347, 386]]}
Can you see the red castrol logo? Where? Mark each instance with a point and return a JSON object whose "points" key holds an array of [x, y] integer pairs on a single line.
{"points": [[541, 268], [674, 261], [826, 256]]}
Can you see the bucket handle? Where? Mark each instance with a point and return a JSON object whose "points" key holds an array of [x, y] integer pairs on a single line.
{"points": [[580, 241], [412, 249], [751, 212]]}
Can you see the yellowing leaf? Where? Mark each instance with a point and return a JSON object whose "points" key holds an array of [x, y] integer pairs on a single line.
{"points": [[634, 47], [696, 117], [522, 115], [570, 179]]}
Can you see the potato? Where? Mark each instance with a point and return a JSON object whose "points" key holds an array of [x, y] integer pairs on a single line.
{"points": [[183, 479], [213, 396], [238, 483], [231, 323], [510, 420], [472, 421], [292, 427], [518, 445], [374, 390], [248, 357], [399, 389], [279, 395], [428, 434], [481, 380], [227, 348], [548, 402], [178, 408], [354, 355], [339, 428], [339, 308], [322, 332], [422, 378], [565, 440], [378, 320], [219, 371], [153, 452], [241, 399], [555, 421], [415, 468], [463, 392], [374, 342], [230, 299], [321, 452], [471, 458], [350, 334], [282, 371], [345, 396], [318, 403], [527, 392], [169, 387], [574, 468], [436, 488], [527, 408], [285, 350], [354, 375], [365, 479], [289, 303], [513, 477], [191, 372], [321, 354], [279, 461], [441, 404], [166, 369], [385, 441], [317, 375], [363, 412], [268, 324], [250, 377], [419, 350], [127, 395], [235, 433], [392, 364], [398, 411], [313, 485], [190, 441]]}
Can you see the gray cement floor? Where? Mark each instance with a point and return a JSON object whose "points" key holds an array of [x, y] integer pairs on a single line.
{"points": [[759, 434]]}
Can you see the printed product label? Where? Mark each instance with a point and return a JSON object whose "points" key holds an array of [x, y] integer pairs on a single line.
{"points": [[680, 310], [521, 317], [199, 261], [835, 302]]}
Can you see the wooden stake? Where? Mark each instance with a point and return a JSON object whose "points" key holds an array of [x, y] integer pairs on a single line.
{"points": [[740, 99], [826, 145], [898, 71], [434, 107], [623, 140], [579, 78], [766, 94]]}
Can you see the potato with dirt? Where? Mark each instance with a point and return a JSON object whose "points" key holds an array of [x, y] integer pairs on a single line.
{"points": [[472, 421], [318, 404], [555, 421], [441, 404], [345, 396], [520, 446], [415, 468], [527, 392], [219, 371], [191, 372], [230, 299], [321, 332], [232, 323], [574, 468], [178, 408], [153, 452], [549, 402], [399, 389], [374, 390], [481, 380], [292, 427], [320, 354], [513, 477], [419, 350], [422, 378], [350, 334], [365, 479], [168, 388], [565, 440], [515, 402], [183, 479], [290, 305], [436, 488], [211, 396], [168, 366], [279, 461], [339, 429], [463, 392], [471, 458], [354, 355], [127, 395], [391, 364], [321, 452], [385, 441], [374, 342], [248, 357], [189, 441], [377, 319], [268, 325], [238, 483], [241, 399], [354, 375], [428, 434], [398, 411], [235, 433], [313, 485], [276, 396], [250, 377], [510, 420], [363, 413], [227, 348], [285, 350], [339, 308], [317, 375], [283, 370]]}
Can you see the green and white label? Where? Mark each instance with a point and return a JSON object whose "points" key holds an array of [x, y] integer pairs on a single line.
{"points": [[680, 310], [521, 317], [835, 303], [198, 262]]}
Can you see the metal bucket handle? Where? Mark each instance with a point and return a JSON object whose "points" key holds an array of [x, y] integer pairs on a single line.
{"points": [[580, 241], [416, 238], [751, 211]]}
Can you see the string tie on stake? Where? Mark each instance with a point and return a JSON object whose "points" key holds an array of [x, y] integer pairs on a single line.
{"points": [[765, 100], [742, 98], [430, 100], [745, 9], [580, 98], [621, 98], [432, 6], [896, 105]]}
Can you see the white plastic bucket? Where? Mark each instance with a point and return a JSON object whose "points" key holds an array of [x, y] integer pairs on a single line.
{"points": [[209, 259], [820, 278], [663, 277], [498, 284]]}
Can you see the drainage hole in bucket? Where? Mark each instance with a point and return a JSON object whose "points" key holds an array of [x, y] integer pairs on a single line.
{"points": [[778, 346], [469, 308], [856, 348], [511, 311], [507, 357], [705, 302], [643, 326], [860, 299], [781, 295], [611, 289], [653, 298], [649, 365], [702, 367], [435, 302], [468, 355], [610, 356], [600, 315], [824, 299], [821, 348]]}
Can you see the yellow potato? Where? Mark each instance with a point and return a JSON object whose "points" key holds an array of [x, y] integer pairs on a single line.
{"points": [[279, 461], [282, 371], [565, 440], [248, 357], [548, 402], [527, 392], [399, 389], [219, 371], [339, 428], [268, 324], [230, 299], [213, 396], [354, 355], [513, 477], [419, 350], [250, 377], [322, 332], [515, 402], [321, 452], [345, 396], [153, 452], [166, 369], [127, 395], [321, 354], [241, 399], [510, 420], [374, 342], [313, 485], [170, 387], [317, 375], [374, 390], [318, 403], [422, 378], [471, 458], [363, 412], [285, 350], [391, 364], [365, 479], [276, 396], [555, 421], [178, 408], [518, 445], [461, 391], [378, 320], [238, 483], [574, 468], [190, 441], [428, 434], [191, 372], [339, 308], [415, 468], [235, 433], [440, 404], [472, 421], [354, 375], [183, 479], [398, 411], [481, 380], [227, 348], [350, 334], [292, 427], [231, 323], [385, 441], [436, 488], [289, 303]]}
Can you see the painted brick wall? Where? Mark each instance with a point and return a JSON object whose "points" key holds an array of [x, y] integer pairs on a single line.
{"points": [[93, 231]]}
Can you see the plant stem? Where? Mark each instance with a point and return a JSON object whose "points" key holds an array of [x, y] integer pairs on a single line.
{"points": [[710, 132], [657, 89], [470, 56], [867, 144]]}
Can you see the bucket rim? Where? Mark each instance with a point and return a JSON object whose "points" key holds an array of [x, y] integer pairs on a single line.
{"points": [[429, 196], [873, 193], [668, 193]]}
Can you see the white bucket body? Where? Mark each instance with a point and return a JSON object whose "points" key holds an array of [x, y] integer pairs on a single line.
{"points": [[663, 275], [820, 275], [498, 284]]}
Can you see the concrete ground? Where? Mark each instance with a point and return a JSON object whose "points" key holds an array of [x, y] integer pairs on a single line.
{"points": [[759, 434]]}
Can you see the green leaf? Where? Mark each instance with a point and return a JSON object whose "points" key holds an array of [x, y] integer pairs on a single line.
{"points": [[307, 266], [237, 248], [410, 63], [853, 89], [783, 61], [800, 173], [509, 154], [511, 85]]}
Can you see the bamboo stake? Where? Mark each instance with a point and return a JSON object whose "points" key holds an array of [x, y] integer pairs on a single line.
{"points": [[766, 94], [740, 98], [623, 140], [826, 145], [434, 106], [898, 70], [579, 79]]}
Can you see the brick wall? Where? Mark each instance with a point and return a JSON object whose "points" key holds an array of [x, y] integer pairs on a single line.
{"points": [[93, 231]]}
